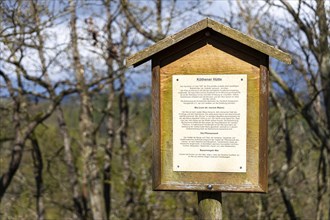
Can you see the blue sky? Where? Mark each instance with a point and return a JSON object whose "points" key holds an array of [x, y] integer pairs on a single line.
{"points": [[58, 38]]}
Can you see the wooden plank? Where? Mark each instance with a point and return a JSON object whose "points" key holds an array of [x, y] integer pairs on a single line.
{"points": [[249, 41], [156, 160], [145, 54], [167, 42], [263, 121]]}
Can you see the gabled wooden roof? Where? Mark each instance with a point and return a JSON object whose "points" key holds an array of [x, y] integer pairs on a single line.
{"points": [[146, 54]]}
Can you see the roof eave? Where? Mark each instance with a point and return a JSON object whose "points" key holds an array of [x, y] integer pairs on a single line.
{"points": [[146, 54]]}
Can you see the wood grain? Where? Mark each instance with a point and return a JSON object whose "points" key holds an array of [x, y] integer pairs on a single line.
{"points": [[209, 205], [263, 121], [156, 122], [206, 55]]}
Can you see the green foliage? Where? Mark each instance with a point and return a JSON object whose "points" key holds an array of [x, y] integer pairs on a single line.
{"points": [[149, 204], [57, 196]]}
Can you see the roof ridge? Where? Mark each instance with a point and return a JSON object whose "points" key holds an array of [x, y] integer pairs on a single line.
{"points": [[144, 55]]}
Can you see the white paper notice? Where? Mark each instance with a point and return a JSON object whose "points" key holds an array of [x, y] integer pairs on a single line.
{"points": [[209, 123]]}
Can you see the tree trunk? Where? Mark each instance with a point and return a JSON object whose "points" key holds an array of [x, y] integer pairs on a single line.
{"points": [[107, 177], [288, 203], [127, 172], [322, 181], [20, 137], [80, 206], [79, 199], [91, 174], [16, 157], [37, 170]]}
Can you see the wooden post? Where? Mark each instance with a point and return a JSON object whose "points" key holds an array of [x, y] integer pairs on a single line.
{"points": [[209, 205], [218, 53]]}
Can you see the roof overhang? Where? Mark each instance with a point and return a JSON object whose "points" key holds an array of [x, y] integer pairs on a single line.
{"points": [[146, 54]]}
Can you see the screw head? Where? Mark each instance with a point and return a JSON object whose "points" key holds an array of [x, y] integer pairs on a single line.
{"points": [[209, 186]]}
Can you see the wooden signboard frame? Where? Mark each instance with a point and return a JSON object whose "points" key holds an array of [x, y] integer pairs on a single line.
{"points": [[209, 48]]}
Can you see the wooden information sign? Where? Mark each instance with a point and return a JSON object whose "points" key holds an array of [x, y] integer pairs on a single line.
{"points": [[210, 109]]}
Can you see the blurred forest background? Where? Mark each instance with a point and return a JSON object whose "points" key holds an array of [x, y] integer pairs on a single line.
{"points": [[75, 135]]}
